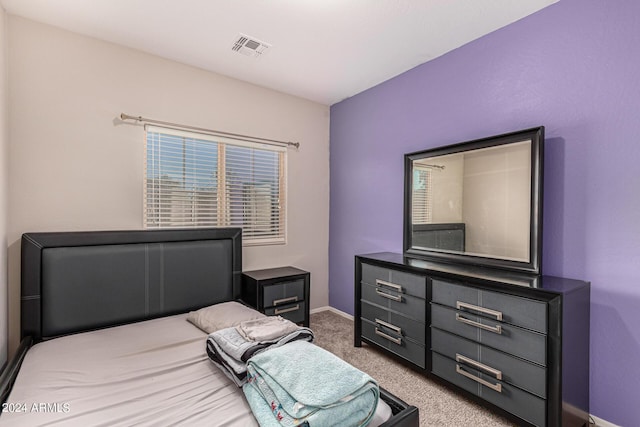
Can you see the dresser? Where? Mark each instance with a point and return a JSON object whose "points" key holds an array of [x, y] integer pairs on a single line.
{"points": [[516, 343], [280, 291]]}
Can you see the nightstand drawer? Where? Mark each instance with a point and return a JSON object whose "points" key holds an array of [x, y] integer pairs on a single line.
{"points": [[283, 293], [294, 312], [525, 375], [394, 281], [523, 312], [400, 324], [520, 403], [511, 339], [389, 339]]}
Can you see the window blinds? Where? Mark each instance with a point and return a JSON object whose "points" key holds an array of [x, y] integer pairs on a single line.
{"points": [[422, 196], [197, 180]]}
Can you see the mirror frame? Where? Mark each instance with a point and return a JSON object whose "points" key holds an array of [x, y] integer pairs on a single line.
{"points": [[533, 265]]}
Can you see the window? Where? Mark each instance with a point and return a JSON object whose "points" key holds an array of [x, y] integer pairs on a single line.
{"points": [[198, 180], [422, 212]]}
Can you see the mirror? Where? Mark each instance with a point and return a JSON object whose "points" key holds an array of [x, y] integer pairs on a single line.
{"points": [[477, 202]]}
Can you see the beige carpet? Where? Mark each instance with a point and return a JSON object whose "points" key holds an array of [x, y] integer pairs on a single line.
{"points": [[438, 405]]}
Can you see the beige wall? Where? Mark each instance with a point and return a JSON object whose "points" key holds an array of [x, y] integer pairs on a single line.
{"points": [[495, 178], [73, 166], [4, 185]]}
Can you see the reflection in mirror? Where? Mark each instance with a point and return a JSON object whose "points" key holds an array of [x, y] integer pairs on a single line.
{"points": [[477, 199]]}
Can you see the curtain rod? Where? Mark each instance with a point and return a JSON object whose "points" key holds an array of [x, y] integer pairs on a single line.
{"points": [[124, 116]]}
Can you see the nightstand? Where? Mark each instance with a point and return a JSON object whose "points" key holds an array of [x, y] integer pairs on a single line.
{"points": [[282, 291]]}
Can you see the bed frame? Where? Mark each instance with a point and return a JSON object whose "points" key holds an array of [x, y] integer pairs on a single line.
{"points": [[81, 281]]}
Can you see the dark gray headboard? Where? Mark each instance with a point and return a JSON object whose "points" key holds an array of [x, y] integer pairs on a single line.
{"points": [[78, 281], [449, 236]]}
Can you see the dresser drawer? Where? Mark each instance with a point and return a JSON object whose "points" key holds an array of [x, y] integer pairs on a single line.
{"points": [[517, 341], [282, 293], [400, 324], [523, 312], [394, 280], [408, 305], [527, 376], [510, 398], [402, 346], [294, 312]]}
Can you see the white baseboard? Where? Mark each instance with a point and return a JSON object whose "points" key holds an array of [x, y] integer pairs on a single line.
{"points": [[334, 310], [602, 423]]}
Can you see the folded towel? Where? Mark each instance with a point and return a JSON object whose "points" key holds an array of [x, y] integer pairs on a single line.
{"points": [[266, 328], [302, 383], [229, 350], [231, 368]]}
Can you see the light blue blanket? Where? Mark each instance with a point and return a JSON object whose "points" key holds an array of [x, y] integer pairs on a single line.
{"points": [[301, 382]]}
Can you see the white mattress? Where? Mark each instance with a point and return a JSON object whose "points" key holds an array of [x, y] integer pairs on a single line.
{"points": [[152, 373], [149, 373]]}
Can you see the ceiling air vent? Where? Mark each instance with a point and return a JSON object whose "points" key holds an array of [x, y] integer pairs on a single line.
{"points": [[250, 46]]}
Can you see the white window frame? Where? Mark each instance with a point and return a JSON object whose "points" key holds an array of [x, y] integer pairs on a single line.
{"points": [[223, 217]]}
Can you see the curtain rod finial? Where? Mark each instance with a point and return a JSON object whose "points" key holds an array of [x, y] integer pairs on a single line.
{"points": [[124, 116]]}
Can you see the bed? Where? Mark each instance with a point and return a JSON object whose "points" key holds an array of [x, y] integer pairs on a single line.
{"points": [[105, 339]]}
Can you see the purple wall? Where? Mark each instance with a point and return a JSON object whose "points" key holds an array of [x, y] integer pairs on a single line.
{"points": [[573, 67]]}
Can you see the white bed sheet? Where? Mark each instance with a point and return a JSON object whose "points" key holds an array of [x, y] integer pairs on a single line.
{"points": [[151, 373]]}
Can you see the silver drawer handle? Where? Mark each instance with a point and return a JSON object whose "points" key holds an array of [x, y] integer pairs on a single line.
{"points": [[389, 285], [389, 337], [495, 329], [287, 310], [497, 386], [388, 296], [461, 305], [285, 300], [481, 366], [394, 328]]}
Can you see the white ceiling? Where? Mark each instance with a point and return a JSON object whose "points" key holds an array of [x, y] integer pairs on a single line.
{"points": [[322, 50]]}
